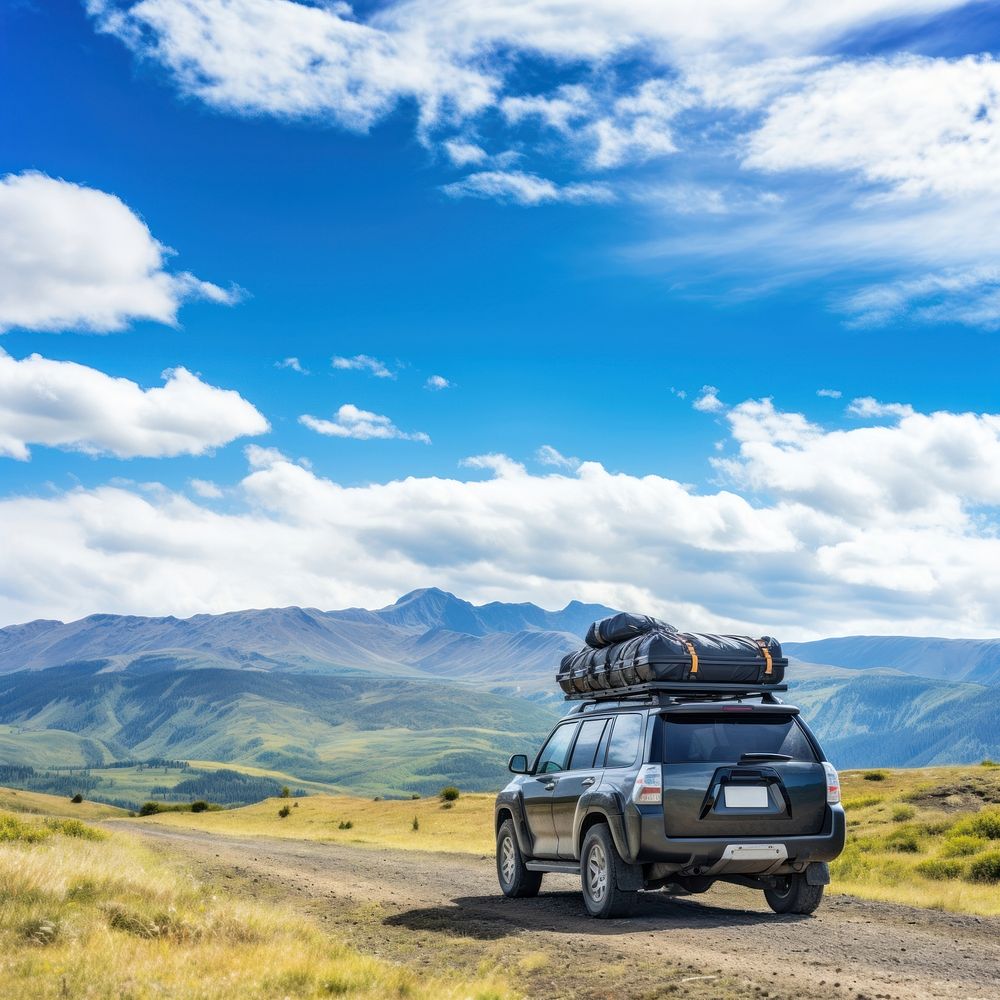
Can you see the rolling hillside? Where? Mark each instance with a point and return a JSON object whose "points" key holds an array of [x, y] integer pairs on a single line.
{"points": [[428, 691]]}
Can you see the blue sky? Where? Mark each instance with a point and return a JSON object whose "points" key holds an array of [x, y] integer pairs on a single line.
{"points": [[578, 223]]}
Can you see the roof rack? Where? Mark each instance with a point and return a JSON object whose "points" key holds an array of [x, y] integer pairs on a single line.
{"points": [[662, 691]]}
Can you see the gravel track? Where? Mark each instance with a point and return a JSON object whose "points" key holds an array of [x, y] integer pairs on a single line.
{"points": [[726, 943]]}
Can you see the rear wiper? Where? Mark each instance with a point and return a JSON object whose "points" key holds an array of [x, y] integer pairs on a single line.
{"points": [[765, 756]]}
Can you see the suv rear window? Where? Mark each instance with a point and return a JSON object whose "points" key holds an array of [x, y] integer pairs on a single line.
{"points": [[718, 738]]}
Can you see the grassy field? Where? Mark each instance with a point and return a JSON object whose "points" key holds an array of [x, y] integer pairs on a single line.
{"points": [[465, 826], [85, 914], [927, 837], [17, 801]]}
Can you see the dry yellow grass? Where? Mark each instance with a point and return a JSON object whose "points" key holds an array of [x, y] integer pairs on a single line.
{"points": [[14, 800], [465, 827], [97, 918]]}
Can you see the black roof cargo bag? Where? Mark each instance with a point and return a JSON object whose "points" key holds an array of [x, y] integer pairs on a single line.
{"points": [[664, 655], [621, 627]]}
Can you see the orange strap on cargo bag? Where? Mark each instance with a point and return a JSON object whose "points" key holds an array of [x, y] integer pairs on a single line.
{"points": [[693, 655], [766, 652]]}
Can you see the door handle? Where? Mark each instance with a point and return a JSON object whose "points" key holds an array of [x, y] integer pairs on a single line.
{"points": [[550, 786], [587, 782]]}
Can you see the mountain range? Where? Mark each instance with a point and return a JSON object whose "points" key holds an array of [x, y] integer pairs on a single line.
{"points": [[427, 691]]}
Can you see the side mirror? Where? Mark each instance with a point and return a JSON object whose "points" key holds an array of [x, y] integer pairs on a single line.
{"points": [[518, 764]]}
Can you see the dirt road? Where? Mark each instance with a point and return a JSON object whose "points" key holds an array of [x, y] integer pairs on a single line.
{"points": [[426, 909]]}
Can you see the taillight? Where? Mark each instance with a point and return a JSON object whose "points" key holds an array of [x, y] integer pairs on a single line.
{"points": [[648, 788], [832, 783]]}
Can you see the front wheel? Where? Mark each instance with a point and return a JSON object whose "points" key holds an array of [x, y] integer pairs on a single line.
{"points": [[515, 879], [794, 895], [600, 863]]}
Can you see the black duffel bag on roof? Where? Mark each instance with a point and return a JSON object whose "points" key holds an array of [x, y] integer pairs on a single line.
{"points": [[621, 628]]}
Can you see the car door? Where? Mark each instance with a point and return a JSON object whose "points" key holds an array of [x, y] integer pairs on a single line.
{"points": [[581, 773], [538, 789]]}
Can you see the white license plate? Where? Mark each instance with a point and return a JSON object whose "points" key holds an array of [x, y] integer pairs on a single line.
{"points": [[746, 796]]}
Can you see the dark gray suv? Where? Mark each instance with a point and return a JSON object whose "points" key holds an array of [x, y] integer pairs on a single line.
{"points": [[673, 791]]}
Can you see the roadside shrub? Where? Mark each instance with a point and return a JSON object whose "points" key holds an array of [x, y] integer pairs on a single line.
{"points": [[74, 828], [962, 846], [284, 811], [77, 799], [939, 868], [416, 824], [862, 802], [40, 931], [149, 808], [345, 825], [14, 829], [415, 795], [985, 868], [902, 813], [199, 807], [450, 793], [906, 839], [874, 775], [983, 824]]}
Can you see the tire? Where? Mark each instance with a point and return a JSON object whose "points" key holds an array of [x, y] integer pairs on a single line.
{"points": [[515, 879], [600, 864], [795, 895]]}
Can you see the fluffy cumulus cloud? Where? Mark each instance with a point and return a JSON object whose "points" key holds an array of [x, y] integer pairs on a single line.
{"points": [[74, 257], [66, 405], [879, 170], [362, 425], [436, 383], [880, 525]]}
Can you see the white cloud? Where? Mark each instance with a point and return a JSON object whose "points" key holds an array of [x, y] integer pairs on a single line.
{"points": [[526, 189], [548, 455], [829, 393], [915, 124], [708, 401], [73, 257], [465, 154], [363, 363], [67, 405], [206, 489], [436, 383], [363, 425], [874, 529], [867, 407], [293, 364]]}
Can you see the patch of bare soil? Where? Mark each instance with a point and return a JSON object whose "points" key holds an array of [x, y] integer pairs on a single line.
{"points": [[432, 910]]}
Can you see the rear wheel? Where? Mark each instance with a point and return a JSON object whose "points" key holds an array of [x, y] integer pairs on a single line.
{"points": [[515, 879], [794, 895], [600, 864]]}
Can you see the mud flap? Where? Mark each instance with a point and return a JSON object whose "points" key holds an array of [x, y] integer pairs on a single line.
{"points": [[818, 873], [630, 877]]}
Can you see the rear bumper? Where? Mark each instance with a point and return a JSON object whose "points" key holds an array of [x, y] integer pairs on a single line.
{"points": [[647, 843]]}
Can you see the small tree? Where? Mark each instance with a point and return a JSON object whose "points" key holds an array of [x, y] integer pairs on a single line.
{"points": [[416, 824], [77, 799], [149, 809], [284, 811], [450, 793], [286, 792], [199, 807]]}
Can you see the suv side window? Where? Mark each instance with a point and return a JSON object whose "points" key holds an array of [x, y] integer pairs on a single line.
{"points": [[554, 753], [586, 743], [624, 745]]}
